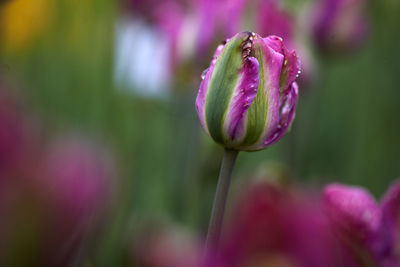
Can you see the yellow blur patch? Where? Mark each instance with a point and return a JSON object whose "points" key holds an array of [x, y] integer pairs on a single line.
{"points": [[22, 21]]}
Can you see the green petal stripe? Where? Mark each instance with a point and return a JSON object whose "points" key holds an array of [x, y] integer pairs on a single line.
{"points": [[224, 79], [258, 110]]}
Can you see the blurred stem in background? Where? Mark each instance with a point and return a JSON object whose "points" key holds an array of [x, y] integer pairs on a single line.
{"points": [[185, 147]]}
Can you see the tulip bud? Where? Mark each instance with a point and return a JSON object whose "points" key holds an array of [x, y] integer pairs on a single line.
{"points": [[248, 95]]}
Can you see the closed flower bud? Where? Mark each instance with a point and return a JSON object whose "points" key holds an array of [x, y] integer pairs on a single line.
{"points": [[248, 95]]}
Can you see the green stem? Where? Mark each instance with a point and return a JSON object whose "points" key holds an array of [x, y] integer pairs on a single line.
{"points": [[217, 214]]}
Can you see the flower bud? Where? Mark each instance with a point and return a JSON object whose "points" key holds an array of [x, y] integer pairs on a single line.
{"points": [[248, 95]]}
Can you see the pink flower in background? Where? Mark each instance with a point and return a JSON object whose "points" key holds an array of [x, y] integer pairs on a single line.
{"points": [[194, 26], [16, 133], [52, 201], [275, 226], [140, 8], [339, 24], [357, 221], [273, 19], [190, 29], [83, 171], [170, 19], [231, 16], [391, 216], [272, 226], [79, 184]]}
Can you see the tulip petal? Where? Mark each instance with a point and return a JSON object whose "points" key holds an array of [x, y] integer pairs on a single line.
{"points": [[291, 64], [263, 114], [203, 90], [235, 122], [353, 208], [223, 81], [287, 112], [290, 70], [356, 217]]}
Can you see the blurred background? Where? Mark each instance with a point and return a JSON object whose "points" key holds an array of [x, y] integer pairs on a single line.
{"points": [[99, 134]]}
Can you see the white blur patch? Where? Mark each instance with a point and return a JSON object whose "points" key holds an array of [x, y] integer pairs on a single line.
{"points": [[142, 59]]}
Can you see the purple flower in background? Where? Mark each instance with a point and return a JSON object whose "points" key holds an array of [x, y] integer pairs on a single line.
{"points": [[391, 216], [357, 221], [230, 16], [272, 226], [190, 28], [140, 8], [248, 95], [82, 170], [78, 184], [16, 133], [193, 26], [170, 18], [339, 24], [63, 197], [273, 19]]}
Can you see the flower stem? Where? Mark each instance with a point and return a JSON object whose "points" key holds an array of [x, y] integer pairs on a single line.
{"points": [[217, 214]]}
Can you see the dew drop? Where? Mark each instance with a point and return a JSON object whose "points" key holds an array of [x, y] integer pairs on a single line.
{"points": [[204, 73]]}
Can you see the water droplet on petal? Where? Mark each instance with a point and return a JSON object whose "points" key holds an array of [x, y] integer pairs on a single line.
{"points": [[204, 73]]}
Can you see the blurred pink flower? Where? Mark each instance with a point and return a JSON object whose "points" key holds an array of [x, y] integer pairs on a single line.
{"points": [[356, 219], [273, 19], [275, 226], [271, 226], [51, 211], [16, 133], [78, 184], [390, 205], [194, 27], [339, 24]]}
